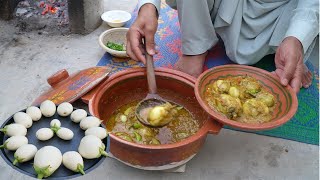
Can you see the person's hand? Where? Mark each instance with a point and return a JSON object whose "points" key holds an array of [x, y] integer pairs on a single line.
{"points": [[289, 63], [145, 26]]}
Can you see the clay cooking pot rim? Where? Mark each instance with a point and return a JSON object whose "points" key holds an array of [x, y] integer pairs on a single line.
{"points": [[177, 75]]}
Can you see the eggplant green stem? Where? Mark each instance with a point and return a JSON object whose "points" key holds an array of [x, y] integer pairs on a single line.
{"points": [[80, 169], [4, 130], [4, 145], [42, 172], [40, 176], [15, 162], [102, 152], [55, 128]]}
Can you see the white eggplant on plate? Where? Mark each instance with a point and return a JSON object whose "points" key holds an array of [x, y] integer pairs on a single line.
{"points": [[89, 122], [77, 115], [91, 147], [55, 125], [65, 133], [25, 153], [65, 109], [44, 134], [14, 130], [48, 108], [46, 161], [100, 132], [34, 112], [14, 142], [22, 118], [73, 161]]}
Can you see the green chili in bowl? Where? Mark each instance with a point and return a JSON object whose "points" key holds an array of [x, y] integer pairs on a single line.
{"points": [[115, 46]]}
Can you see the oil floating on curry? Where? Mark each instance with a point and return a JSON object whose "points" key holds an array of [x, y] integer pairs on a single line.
{"points": [[241, 98], [124, 124]]}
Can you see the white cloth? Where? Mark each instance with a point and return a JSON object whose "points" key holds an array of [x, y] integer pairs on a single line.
{"points": [[250, 29], [156, 3], [304, 23]]}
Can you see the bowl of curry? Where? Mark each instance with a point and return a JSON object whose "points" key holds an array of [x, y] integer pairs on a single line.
{"points": [[245, 97]]}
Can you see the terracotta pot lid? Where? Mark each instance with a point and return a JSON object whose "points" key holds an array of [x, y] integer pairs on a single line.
{"points": [[65, 88]]}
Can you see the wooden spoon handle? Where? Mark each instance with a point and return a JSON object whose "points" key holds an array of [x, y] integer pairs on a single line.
{"points": [[150, 75]]}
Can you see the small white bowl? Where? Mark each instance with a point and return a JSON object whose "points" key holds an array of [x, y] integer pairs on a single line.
{"points": [[116, 18], [115, 35]]}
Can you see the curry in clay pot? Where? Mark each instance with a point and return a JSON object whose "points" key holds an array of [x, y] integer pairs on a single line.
{"points": [[124, 124]]}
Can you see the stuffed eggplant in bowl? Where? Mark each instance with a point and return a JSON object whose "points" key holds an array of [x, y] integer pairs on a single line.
{"points": [[245, 97]]}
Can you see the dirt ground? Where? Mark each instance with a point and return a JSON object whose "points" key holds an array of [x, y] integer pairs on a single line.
{"points": [[27, 58]]}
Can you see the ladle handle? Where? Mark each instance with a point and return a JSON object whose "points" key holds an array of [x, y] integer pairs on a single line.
{"points": [[150, 74]]}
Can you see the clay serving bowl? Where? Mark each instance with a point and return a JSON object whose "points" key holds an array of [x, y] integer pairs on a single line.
{"points": [[285, 97], [131, 85]]}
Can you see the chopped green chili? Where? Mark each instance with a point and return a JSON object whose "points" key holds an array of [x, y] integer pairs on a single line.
{"points": [[115, 46]]}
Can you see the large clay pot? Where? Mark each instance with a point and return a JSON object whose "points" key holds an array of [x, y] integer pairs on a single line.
{"points": [[131, 85]]}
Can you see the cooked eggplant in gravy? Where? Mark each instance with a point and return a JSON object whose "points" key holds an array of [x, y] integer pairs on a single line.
{"points": [[241, 98], [124, 124]]}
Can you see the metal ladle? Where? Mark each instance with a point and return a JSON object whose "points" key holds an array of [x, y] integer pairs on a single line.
{"points": [[152, 99]]}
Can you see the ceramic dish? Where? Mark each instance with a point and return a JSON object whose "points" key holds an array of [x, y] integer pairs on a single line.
{"points": [[72, 145], [115, 35], [285, 97], [116, 18]]}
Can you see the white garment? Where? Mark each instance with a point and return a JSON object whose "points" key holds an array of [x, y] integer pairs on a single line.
{"points": [[250, 29]]}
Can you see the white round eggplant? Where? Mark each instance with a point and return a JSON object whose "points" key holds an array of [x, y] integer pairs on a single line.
{"points": [[22, 118], [73, 161], [14, 142], [65, 133], [55, 123], [89, 122], [91, 147], [24, 153], [46, 161], [97, 131], [65, 109], [34, 112], [77, 115], [48, 108], [44, 134], [14, 130]]}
